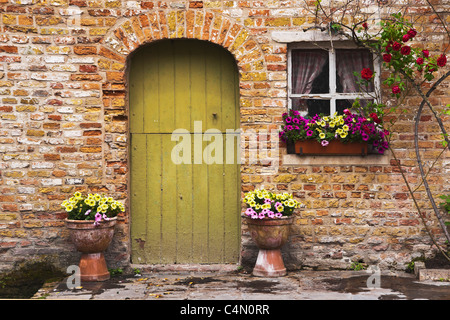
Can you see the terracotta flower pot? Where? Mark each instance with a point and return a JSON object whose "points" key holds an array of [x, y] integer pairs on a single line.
{"points": [[91, 241], [269, 235]]}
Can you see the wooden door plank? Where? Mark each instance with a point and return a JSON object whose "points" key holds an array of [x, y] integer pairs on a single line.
{"points": [[138, 195], [200, 196], [198, 82], [232, 208], [215, 165], [153, 195], [182, 84], [151, 94], [168, 201], [166, 64], [137, 84], [184, 203]]}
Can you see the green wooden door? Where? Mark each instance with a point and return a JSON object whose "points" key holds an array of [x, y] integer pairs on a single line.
{"points": [[187, 212]]}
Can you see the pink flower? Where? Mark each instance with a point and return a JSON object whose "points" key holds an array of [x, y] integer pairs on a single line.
{"points": [[324, 143], [249, 211], [98, 218], [426, 53], [347, 112]]}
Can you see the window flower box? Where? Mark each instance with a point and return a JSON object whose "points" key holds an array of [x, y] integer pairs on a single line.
{"points": [[347, 134], [334, 148]]}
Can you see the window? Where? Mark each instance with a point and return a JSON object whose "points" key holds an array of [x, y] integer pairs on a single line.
{"points": [[321, 80]]}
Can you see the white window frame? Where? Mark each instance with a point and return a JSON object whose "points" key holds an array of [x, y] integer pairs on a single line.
{"points": [[332, 96]]}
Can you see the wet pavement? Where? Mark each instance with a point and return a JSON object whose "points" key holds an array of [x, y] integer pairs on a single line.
{"points": [[227, 286]]}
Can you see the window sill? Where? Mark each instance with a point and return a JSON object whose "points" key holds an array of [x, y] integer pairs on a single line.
{"points": [[370, 159]]}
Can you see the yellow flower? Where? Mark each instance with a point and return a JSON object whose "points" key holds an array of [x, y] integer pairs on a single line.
{"points": [[280, 208], [345, 127], [343, 135], [322, 135], [97, 197], [69, 207], [332, 124]]}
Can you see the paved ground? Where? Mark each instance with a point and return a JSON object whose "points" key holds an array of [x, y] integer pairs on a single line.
{"points": [[227, 286]]}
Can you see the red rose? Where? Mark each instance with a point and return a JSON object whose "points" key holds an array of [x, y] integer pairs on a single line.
{"points": [[396, 90], [365, 26], [406, 37], [405, 50], [426, 53], [396, 46], [412, 33], [419, 61], [366, 74], [441, 61], [375, 118], [387, 57]]}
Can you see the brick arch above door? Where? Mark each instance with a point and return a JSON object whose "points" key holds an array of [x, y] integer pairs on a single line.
{"points": [[211, 26]]}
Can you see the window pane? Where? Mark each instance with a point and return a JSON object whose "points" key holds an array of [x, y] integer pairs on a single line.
{"points": [[310, 71], [311, 107], [343, 104], [347, 62]]}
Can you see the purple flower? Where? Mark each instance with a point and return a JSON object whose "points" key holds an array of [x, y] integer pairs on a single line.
{"points": [[364, 136], [288, 120], [295, 113], [87, 212], [295, 120], [309, 133], [289, 127]]}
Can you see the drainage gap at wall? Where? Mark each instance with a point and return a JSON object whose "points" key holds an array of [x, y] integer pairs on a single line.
{"points": [[25, 281]]}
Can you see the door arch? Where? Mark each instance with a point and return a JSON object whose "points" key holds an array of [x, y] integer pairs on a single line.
{"points": [[186, 212]]}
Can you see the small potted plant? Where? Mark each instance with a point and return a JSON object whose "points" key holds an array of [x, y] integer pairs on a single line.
{"points": [[90, 220], [269, 217]]}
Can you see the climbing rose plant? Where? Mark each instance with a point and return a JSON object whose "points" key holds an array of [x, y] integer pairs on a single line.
{"points": [[402, 58]]}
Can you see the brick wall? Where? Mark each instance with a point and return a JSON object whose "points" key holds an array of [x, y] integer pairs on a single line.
{"points": [[63, 127]]}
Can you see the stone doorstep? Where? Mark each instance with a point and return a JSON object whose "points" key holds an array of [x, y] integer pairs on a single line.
{"points": [[176, 268], [430, 274]]}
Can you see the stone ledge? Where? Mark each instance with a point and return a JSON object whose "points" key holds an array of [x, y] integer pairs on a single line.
{"points": [[431, 274]]}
